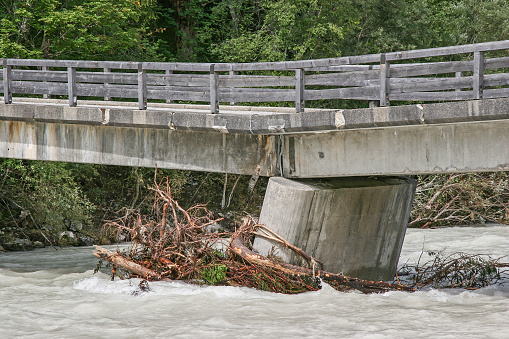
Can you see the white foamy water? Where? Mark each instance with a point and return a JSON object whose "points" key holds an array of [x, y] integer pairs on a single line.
{"points": [[53, 294]]}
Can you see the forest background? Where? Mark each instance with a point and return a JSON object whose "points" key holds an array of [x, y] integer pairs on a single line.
{"points": [[49, 202]]}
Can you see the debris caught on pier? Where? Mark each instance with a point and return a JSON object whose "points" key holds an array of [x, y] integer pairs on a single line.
{"points": [[174, 243], [456, 270]]}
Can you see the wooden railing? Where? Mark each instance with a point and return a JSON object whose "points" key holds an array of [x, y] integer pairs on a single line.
{"points": [[378, 78]]}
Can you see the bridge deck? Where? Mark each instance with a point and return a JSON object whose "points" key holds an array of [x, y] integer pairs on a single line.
{"points": [[467, 131], [251, 119]]}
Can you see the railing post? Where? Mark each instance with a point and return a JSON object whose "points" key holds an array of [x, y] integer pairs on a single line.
{"points": [[45, 69], [384, 81], [299, 90], [106, 83], [7, 82], [231, 73], [168, 83], [478, 79], [458, 75], [214, 90], [142, 87], [373, 103], [71, 86]]}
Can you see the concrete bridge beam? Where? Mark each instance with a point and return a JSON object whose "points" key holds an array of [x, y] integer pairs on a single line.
{"points": [[139, 147], [353, 225], [404, 150]]}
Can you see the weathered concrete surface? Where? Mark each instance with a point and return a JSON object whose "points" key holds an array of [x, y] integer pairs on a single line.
{"points": [[448, 148], [143, 147], [253, 120], [353, 225], [402, 140]]}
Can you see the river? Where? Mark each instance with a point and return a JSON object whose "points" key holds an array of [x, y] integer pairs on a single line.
{"points": [[50, 293]]}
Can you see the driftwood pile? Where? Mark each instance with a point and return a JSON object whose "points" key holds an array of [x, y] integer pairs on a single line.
{"points": [[175, 244]]}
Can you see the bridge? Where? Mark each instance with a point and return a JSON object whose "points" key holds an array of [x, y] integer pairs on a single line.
{"points": [[221, 117]]}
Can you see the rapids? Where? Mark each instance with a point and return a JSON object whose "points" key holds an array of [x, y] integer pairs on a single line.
{"points": [[50, 293]]}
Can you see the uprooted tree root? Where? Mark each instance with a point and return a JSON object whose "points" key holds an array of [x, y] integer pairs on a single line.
{"points": [[174, 244]]}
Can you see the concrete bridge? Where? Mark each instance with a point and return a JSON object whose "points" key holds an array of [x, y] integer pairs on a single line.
{"points": [[353, 214]]}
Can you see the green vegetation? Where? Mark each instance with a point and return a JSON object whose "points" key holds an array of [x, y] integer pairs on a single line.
{"points": [[41, 200], [214, 274]]}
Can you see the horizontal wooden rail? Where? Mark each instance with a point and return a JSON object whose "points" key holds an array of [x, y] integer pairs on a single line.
{"points": [[380, 78]]}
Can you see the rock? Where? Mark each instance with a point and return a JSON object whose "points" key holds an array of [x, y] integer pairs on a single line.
{"points": [[38, 244], [121, 237], [18, 245], [2, 249], [213, 228], [75, 227], [85, 240], [68, 238]]}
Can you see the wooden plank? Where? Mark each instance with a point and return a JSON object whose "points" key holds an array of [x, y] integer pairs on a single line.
{"points": [[352, 93], [51, 88], [358, 78], [307, 64], [440, 51], [494, 63], [112, 78], [500, 79], [111, 91], [71, 86], [431, 69], [256, 96], [432, 96], [496, 93], [342, 68], [299, 90], [177, 95], [478, 76], [73, 63], [36, 75], [117, 91], [177, 66], [255, 81], [405, 85], [179, 79], [423, 68], [83, 77]]}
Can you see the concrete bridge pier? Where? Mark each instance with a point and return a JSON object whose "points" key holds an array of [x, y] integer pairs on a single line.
{"points": [[353, 225]]}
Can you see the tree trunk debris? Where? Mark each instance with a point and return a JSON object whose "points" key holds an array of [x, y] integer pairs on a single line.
{"points": [[174, 244]]}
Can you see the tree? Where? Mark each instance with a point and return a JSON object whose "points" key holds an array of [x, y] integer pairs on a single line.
{"points": [[43, 196], [291, 30], [93, 30]]}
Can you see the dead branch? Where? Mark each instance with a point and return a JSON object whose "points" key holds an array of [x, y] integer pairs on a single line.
{"points": [[119, 260], [345, 282], [460, 199], [264, 231]]}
